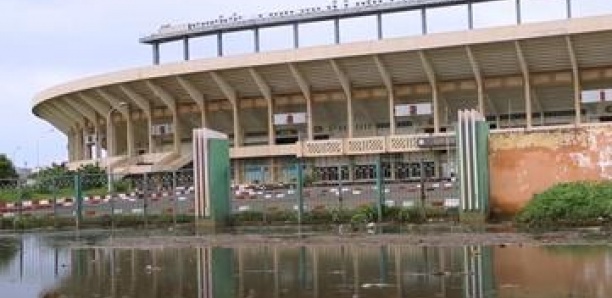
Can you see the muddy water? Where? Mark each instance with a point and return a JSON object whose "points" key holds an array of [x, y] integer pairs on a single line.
{"points": [[35, 265]]}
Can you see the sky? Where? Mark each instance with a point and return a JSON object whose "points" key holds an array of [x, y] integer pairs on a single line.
{"points": [[50, 42]]}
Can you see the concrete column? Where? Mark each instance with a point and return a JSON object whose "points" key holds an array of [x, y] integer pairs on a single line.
{"points": [[256, 39], [186, 48], [568, 4], [578, 99], [310, 119], [470, 15], [392, 125], [436, 109], [481, 105], [131, 142], [220, 44], [155, 53], [98, 132], [86, 147], [70, 147], [150, 139], [237, 172], [518, 12], [111, 148], [337, 30], [272, 170], [528, 112], [176, 125], [296, 35], [79, 144], [349, 115], [237, 128], [423, 21], [379, 25], [271, 129]]}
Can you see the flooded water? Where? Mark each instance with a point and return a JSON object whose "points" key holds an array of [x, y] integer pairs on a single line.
{"points": [[48, 265]]}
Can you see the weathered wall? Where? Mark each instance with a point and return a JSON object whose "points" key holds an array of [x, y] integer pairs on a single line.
{"points": [[525, 163]]}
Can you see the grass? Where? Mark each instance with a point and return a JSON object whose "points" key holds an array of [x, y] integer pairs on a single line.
{"points": [[14, 195]]}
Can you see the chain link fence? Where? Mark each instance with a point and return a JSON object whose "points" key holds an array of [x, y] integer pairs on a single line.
{"points": [[302, 190]]}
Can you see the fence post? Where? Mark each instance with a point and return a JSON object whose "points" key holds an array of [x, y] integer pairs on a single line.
{"points": [[174, 196], [379, 188], [54, 191], [78, 194], [300, 190], [111, 199], [144, 199]]}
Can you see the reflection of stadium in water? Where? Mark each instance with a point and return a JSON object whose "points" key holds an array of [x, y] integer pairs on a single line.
{"points": [[317, 271]]}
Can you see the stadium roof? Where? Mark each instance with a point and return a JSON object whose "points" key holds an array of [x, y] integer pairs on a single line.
{"points": [[549, 53]]}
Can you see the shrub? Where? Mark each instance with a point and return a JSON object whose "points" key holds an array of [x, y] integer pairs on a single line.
{"points": [[569, 204]]}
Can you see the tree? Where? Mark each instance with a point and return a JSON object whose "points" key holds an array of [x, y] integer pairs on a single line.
{"points": [[7, 169]]}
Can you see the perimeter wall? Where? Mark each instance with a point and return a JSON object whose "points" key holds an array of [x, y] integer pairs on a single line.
{"points": [[524, 163]]}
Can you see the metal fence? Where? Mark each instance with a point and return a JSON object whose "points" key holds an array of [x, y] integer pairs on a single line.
{"points": [[283, 192]]}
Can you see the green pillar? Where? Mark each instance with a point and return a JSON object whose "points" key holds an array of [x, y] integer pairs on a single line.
{"points": [[78, 195], [300, 189], [380, 188], [219, 172]]}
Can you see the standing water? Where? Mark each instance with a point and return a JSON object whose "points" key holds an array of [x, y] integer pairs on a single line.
{"points": [[61, 265]]}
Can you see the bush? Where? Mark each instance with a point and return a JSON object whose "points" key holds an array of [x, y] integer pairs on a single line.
{"points": [[569, 204]]}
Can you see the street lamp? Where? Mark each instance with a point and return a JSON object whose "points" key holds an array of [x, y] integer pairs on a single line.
{"points": [[109, 171]]}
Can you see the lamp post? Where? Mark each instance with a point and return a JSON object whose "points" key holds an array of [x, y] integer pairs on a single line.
{"points": [[109, 171]]}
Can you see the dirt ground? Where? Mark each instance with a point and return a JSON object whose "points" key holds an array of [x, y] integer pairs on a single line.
{"points": [[461, 237]]}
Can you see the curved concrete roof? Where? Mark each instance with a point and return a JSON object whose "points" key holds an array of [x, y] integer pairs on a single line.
{"points": [[545, 47]]}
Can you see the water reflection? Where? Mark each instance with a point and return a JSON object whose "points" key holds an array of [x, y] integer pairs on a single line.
{"points": [[311, 271]]}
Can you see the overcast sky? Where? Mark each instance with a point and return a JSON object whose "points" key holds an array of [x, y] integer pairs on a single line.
{"points": [[44, 43]]}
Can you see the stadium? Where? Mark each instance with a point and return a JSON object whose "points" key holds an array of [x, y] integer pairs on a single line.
{"points": [[345, 106]]}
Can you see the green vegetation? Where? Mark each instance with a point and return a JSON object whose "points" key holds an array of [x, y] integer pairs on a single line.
{"points": [[569, 204], [57, 181], [7, 169], [356, 217]]}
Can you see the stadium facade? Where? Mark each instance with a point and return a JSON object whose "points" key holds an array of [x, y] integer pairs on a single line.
{"points": [[339, 106]]}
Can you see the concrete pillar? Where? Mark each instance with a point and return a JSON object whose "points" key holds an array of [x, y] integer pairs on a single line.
{"points": [[518, 12], [71, 147], [568, 4], [237, 172], [98, 132], [481, 105], [379, 25], [528, 112], [111, 146], [309, 119], [176, 125], [256, 39], [337, 30], [237, 128], [436, 109], [392, 125], [296, 35], [578, 100], [186, 48], [423, 21], [470, 15], [79, 143], [86, 146], [155, 53], [131, 142], [272, 170], [150, 139], [349, 115], [271, 129], [220, 44]]}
